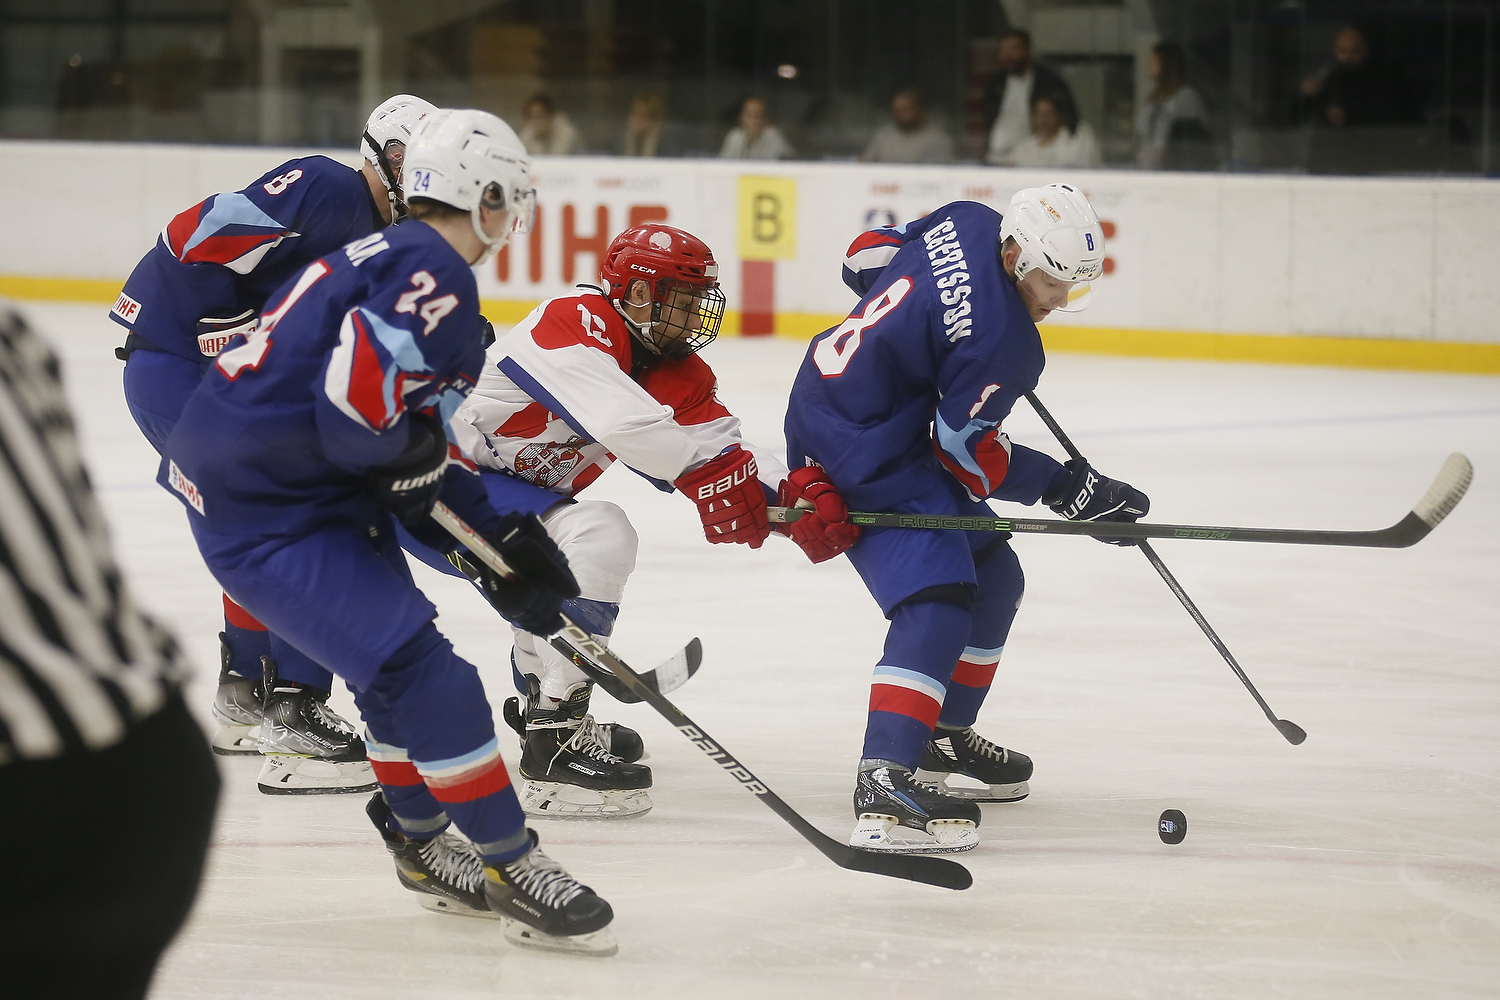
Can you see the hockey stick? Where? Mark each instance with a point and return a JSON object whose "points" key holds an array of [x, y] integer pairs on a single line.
{"points": [[1294, 733], [575, 641], [1441, 497], [669, 675]]}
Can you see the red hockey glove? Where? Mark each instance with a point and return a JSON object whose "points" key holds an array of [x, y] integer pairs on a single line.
{"points": [[824, 531], [730, 498]]}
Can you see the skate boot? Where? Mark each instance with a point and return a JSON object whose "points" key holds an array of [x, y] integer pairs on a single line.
{"points": [[237, 709], [309, 748], [1001, 774], [446, 871], [622, 741], [544, 907], [566, 770], [897, 814]]}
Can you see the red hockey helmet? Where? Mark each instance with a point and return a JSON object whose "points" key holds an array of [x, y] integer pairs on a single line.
{"points": [[687, 304]]}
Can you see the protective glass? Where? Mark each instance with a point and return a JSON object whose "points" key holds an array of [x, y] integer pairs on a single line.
{"points": [[522, 206], [686, 318]]}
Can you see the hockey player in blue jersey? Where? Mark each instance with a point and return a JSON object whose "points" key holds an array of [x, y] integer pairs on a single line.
{"points": [[205, 280], [308, 436], [900, 407]]}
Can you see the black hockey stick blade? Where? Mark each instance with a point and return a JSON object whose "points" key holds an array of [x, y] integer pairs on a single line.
{"points": [[1442, 496], [575, 640], [663, 679]]}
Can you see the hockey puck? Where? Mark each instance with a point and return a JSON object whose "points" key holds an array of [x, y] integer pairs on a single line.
{"points": [[1172, 826]]}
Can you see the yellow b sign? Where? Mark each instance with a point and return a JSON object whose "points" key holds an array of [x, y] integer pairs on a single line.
{"points": [[768, 218]]}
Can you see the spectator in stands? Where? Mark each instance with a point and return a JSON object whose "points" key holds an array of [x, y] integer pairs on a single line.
{"points": [[1351, 91], [647, 132], [908, 137], [1171, 125], [546, 131], [755, 138], [1057, 138], [1007, 98]]}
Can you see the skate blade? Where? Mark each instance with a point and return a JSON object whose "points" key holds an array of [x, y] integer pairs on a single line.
{"points": [[236, 741], [442, 904], [555, 800], [289, 774], [597, 944], [876, 832], [961, 786]]}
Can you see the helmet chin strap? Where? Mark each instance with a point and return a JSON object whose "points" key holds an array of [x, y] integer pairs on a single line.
{"points": [[388, 178]]}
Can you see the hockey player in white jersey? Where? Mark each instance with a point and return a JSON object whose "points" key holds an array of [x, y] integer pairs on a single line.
{"points": [[611, 372]]}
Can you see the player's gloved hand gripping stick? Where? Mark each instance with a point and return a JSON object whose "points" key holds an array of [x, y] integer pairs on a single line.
{"points": [[576, 643]]}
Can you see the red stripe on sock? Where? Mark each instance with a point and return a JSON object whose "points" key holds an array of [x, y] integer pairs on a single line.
{"points": [[904, 701], [395, 772], [472, 785], [974, 675], [240, 618]]}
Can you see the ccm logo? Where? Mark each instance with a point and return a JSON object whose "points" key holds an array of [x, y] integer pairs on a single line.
{"points": [[738, 478]]}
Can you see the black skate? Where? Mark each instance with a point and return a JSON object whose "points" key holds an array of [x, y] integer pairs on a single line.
{"points": [[622, 741], [309, 748], [567, 770], [963, 753], [900, 815], [237, 709], [446, 870], [545, 907]]}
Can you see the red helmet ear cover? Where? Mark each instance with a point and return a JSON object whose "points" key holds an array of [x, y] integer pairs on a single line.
{"points": [[654, 252]]}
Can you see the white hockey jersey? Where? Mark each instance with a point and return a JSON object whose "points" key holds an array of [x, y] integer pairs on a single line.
{"points": [[557, 405]]}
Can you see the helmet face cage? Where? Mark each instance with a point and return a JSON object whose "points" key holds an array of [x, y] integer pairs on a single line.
{"points": [[685, 317]]}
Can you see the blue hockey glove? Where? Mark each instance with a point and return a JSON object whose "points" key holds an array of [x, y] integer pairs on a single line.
{"points": [[408, 487], [532, 599], [1088, 496]]}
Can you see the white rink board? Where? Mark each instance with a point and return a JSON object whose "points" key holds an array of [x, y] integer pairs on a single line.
{"points": [[1409, 259], [1362, 865]]}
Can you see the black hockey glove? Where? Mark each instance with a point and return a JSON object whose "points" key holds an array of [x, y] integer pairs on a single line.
{"points": [[486, 332], [532, 598], [408, 487], [1088, 496]]}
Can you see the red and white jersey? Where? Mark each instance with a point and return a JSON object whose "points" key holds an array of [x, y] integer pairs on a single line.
{"points": [[556, 404]]}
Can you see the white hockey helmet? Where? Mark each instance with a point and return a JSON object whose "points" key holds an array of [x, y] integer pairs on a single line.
{"points": [[384, 142], [468, 159], [1058, 234]]}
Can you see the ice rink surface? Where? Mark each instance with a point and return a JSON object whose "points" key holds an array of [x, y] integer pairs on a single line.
{"points": [[1364, 863]]}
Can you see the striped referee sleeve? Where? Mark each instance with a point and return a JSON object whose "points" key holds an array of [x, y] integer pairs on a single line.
{"points": [[78, 663]]}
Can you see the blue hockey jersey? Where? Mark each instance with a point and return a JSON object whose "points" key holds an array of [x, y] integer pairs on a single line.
{"points": [[228, 253], [280, 436], [913, 386]]}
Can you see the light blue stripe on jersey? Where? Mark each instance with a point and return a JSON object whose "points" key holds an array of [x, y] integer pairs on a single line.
{"points": [[954, 444], [912, 679], [977, 655], [232, 209]]}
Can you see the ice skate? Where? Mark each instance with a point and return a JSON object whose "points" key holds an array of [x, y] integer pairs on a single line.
{"points": [[544, 907], [446, 871], [566, 769], [897, 814], [237, 709], [622, 741], [309, 748], [961, 763]]}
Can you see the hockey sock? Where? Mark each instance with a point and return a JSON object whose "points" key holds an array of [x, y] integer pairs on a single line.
{"points": [[417, 814], [911, 680], [430, 702], [246, 638], [294, 665], [1001, 585]]}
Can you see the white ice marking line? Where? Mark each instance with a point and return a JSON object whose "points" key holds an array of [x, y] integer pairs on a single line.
{"points": [[1305, 422]]}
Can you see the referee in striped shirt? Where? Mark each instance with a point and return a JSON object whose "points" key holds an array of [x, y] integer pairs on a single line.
{"points": [[107, 787]]}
